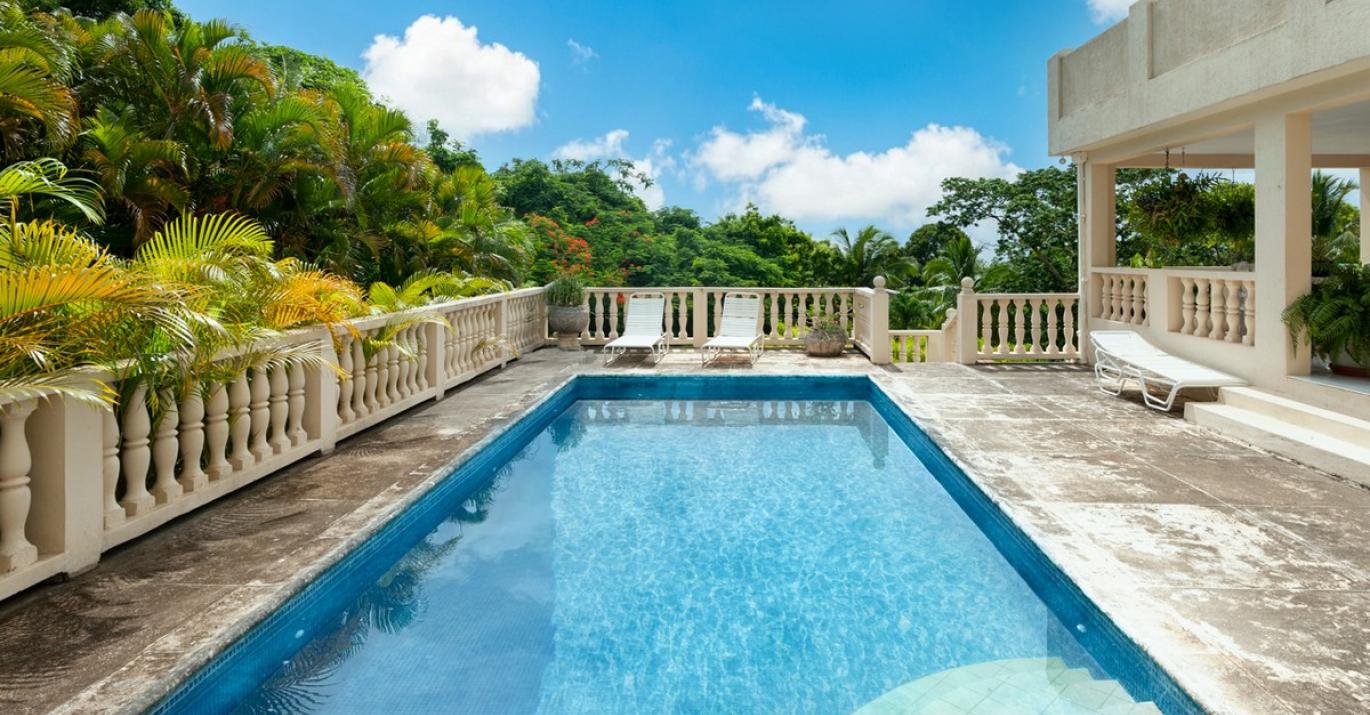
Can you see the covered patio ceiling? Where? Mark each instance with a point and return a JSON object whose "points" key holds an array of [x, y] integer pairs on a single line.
{"points": [[1341, 140]]}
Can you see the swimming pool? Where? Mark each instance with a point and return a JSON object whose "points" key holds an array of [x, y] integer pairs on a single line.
{"points": [[692, 544]]}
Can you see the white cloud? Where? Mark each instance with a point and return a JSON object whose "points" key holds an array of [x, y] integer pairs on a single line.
{"points": [[440, 70], [581, 53], [730, 156], [610, 146], [1109, 11], [784, 170]]}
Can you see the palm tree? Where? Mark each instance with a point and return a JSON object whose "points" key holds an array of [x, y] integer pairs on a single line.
{"points": [[197, 74], [38, 111], [142, 175], [64, 302], [1333, 221], [872, 252]]}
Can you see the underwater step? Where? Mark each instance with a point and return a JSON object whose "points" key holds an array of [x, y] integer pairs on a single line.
{"points": [[1009, 687]]}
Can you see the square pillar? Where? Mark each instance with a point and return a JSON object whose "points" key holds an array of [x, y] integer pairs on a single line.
{"points": [[1284, 230], [1364, 210], [1097, 186]]}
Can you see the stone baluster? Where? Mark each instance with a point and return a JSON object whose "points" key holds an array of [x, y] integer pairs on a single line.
{"points": [[382, 360], [1021, 336], [193, 477], [612, 320], [421, 383], [1071, 340], [1187, 309], [1201, 316], [15, 497], [1249, 313], [260, 413], [1125, 300], [589, 325], [986, 326], [774, 332], [136, 456], [240, 423], [164, 450], [403, 364], [1105, 296], [109, 441], [362, 377], [1234, 311], [278, 408], [1218, 311], [216, 432], [415, 360], [374, 373], [392, 375], [1003, 347], [1140, 315], [683, 317], [346, 383]]}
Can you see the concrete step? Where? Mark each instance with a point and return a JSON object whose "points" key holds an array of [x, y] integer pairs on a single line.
{"points": [[1319, 438], [1022, 685]]}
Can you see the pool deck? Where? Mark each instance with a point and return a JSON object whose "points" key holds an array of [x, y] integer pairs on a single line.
{"points": [[1244, 575]]}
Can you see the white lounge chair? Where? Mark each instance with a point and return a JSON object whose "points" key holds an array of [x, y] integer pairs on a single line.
{"points": [[1122, 355], [740, 330], [642, 328]]}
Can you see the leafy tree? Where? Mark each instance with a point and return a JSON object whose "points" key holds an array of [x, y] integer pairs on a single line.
{"points": [[928, 240], [446, 153], [295, 69], [1035, 216]]}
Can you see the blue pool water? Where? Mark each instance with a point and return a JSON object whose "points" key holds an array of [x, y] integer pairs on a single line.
{"points": [[677, 545]]}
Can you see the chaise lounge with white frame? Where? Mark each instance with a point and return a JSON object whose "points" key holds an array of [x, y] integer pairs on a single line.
{"points": [[739, 331], [643, 328], [1123, 355]]}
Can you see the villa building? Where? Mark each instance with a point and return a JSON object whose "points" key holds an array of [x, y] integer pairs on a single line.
{"points": [[1277, 88]]}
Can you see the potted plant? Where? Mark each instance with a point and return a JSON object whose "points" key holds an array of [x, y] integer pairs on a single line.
{"points": [[567, 314], [1335, 319], [826, 336]]}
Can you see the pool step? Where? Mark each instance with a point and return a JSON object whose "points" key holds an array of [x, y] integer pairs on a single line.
{"points": [[1322, 439], [1009, 687]]}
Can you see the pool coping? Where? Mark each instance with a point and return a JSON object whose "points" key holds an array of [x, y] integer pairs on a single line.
{"points": [[183, 652]]}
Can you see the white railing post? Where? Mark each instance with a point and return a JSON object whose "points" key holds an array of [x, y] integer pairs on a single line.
{"points": [[880, 323], [321, 395], [435, 336], [68, 511], [700, 319], [967, 323], [502, 325], [1082, 320]]}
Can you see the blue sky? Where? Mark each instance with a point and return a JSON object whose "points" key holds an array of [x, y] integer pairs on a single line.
{"points": [[832, 113]]}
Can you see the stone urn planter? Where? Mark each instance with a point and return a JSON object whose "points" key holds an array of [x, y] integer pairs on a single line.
{"points": [[571, 319], [824, 343]]}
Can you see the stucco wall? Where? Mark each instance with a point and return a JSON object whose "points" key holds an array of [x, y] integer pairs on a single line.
{"points": [[1176, 60], [1185, 30], [1092, 74]]}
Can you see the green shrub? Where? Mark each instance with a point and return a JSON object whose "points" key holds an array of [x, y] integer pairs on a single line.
{"points": [[1335, 316], [566, 291]]}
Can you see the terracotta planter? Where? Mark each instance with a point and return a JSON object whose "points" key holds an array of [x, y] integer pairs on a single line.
{"points": [[1343, 364], [824, 344], [568, 319]]}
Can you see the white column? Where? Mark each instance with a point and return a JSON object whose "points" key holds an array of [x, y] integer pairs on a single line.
{"points": [[1364, 220], [1284, 170], [880, 323], [1097, 186]]}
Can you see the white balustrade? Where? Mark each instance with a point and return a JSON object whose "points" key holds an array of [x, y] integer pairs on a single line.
{"points": [[1017, 326], [1122, 295], [1214, 304]]}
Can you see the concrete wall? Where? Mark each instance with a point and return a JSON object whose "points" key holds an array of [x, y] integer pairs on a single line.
{"points": [[1173, 61]]}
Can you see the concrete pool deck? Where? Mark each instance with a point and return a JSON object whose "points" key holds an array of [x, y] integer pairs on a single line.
{"points": [[1244, 575]]}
